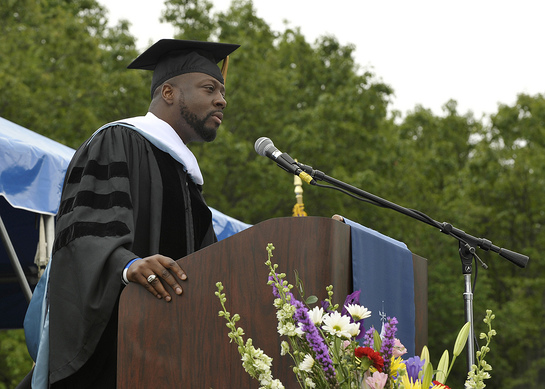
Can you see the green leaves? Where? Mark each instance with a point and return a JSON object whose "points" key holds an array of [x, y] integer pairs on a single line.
{"points": [[15, 362], [68, 68], [377, 341], [191, 18]]}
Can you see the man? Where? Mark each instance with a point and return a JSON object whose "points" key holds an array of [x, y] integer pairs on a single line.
{"points": [[132, 205]]}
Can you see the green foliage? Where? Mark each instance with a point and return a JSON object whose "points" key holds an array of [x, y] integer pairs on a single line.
{"points": [[63, 74], [510, 162], [15, 362], [190, 17], [62, 70]]}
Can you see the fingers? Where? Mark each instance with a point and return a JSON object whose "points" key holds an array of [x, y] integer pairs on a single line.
{"points": [[165, 270], [154, 286], [173, 266]]}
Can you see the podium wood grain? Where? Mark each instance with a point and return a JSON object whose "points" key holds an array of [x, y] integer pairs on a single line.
{"points": [[184, 343]]}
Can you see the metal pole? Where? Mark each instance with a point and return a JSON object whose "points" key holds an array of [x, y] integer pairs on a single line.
{"points": [[468, 299], [467, 252], [15, 261]]}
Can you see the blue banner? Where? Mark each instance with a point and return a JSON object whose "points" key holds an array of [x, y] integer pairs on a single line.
{"points": [[382, 268]]}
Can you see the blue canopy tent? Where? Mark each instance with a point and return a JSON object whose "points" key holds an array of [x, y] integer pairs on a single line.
{"points": [[32, 169]]}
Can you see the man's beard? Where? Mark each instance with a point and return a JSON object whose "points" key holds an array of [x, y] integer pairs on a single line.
{"points": [[206, 133]]}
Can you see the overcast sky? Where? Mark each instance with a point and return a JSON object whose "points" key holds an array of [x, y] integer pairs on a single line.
{"points": [[477, 52]]}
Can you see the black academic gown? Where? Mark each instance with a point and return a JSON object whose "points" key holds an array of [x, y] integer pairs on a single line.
{"points": [[122, 198]]}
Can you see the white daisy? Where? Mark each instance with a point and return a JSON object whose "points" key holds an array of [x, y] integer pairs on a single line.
{"points": [[307, 363], [354, 329], [358, 312], [339, 325], [316, 314]]}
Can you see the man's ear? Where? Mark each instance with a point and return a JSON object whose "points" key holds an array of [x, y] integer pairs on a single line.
{"points": [[167, 93]]}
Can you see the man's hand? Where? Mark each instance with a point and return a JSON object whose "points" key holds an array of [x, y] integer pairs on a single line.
{"points": [[162, 267]]}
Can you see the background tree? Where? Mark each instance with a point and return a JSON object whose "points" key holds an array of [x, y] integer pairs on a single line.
{"points": [[432, 153], [507, 184], [63, 72]]}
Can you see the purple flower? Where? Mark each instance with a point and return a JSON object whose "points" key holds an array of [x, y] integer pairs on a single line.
{"points": [[325, 306], [414, 365], [352, 298], [388, 342], [312, 335], [369, 340], [275, 289], [314, 339]]}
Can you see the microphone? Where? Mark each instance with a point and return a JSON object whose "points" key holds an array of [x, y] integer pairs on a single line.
{"points": [[265, 147]]}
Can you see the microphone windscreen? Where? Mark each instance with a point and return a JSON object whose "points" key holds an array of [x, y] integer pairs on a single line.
{"points": [[262, 145]]}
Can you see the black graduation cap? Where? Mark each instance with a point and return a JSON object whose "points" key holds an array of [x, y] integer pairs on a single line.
{"points": [[171, 57]]}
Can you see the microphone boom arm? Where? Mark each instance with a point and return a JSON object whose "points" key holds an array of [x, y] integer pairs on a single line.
{"points": [[518, 259]]}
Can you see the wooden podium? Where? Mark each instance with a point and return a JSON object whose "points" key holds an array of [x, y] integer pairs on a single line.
{"points": [[184, 343]]}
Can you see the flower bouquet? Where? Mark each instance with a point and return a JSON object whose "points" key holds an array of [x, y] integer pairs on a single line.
{"points": [[332, 349]]}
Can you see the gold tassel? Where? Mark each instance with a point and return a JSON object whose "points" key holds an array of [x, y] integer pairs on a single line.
{"points": [[224, 67], [299, 207]]}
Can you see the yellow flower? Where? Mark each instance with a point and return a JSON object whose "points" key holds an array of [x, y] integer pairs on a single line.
{"points": [[409, 384], [397, 366]]}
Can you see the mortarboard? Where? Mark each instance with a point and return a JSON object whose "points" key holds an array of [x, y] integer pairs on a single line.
{"points": [[171, 57]]}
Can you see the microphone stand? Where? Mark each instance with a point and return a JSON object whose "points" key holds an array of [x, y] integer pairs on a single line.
{"points": [[467, 243]]}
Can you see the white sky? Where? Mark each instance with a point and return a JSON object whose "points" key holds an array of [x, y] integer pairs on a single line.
{"points": [[477, 52]]}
